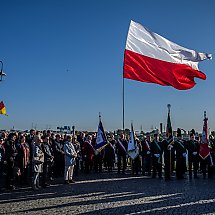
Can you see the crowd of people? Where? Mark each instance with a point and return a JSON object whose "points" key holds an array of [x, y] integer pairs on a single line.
{"points": [[36, 158]]}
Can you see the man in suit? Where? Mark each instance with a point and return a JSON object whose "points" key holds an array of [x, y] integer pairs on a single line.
{"points": [[121, 151]]}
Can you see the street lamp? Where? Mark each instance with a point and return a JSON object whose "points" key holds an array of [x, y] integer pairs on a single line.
{"points": [[1, 73]]}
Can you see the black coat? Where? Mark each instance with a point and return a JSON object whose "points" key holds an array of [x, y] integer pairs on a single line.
{"points": [[180, 149], [119, 149], [192, 146], [48, 153], [10, 152]]}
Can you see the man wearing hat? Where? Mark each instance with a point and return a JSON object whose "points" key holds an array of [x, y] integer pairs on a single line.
{"points": [[193, 154], [157, 152], [169, 156], [211, 166], [146, 155], [181, 152], [121, 151]]}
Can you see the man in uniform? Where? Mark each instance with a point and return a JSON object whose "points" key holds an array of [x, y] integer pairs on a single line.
{"points": [[156, 150], [146, 155], [193, 154], [211, 166], [136, 162], [169, 157], [180, 149]]}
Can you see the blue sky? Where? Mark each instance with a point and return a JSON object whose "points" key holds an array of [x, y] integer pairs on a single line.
{"points": [[64, 62]]}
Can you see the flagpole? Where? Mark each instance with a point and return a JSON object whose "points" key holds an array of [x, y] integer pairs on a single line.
{"points": [[123, 103], [170, 151], [99, 117]]}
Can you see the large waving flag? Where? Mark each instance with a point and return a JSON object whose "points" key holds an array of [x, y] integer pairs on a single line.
{"points": [[133, 150], [3, 108], [151, 58], [204, 150], [101, 140]]}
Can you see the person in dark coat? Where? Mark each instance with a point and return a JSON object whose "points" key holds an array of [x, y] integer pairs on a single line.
{"points": [[29, 140], [81, 140], [2, 162], [10, 157], [23, 159], [193, 155], [157, 151], [98, 157], [169, 157], [109, 153], [51, 143], [48, 160], [136, 162], [77, 146], [121, 151], [59, 161], [211, 166], [146, 155], [88, 152], [181, 153]]}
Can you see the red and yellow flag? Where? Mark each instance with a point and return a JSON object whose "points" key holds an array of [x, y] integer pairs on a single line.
{"points": [[3, 108]]}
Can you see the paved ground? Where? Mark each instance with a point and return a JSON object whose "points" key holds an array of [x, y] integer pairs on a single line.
{"points": [[114, 194]]}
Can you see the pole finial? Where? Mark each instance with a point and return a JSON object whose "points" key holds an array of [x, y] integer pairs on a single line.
{"points": [[169, 106], [99, 116], [205, 116]]}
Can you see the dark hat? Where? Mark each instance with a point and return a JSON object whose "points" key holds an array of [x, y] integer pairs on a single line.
{"points": [[156, 132], [192, 132], [178, 132]]}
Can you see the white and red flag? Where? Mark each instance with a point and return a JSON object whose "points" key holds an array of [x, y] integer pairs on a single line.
{"points": [[151, 58]]}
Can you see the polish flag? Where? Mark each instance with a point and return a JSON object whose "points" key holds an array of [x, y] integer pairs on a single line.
{"points": [[151, 58]]}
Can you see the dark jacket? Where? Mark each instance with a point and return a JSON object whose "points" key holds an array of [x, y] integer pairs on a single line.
{"points": [[48, 153], [121, 151]]}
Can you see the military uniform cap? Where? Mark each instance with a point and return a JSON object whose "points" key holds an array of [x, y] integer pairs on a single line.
{"points": [[156, 132], [178, 132], [192, 132]]}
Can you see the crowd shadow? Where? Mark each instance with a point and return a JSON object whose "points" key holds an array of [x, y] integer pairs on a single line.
{"points": [[125, 195]]}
